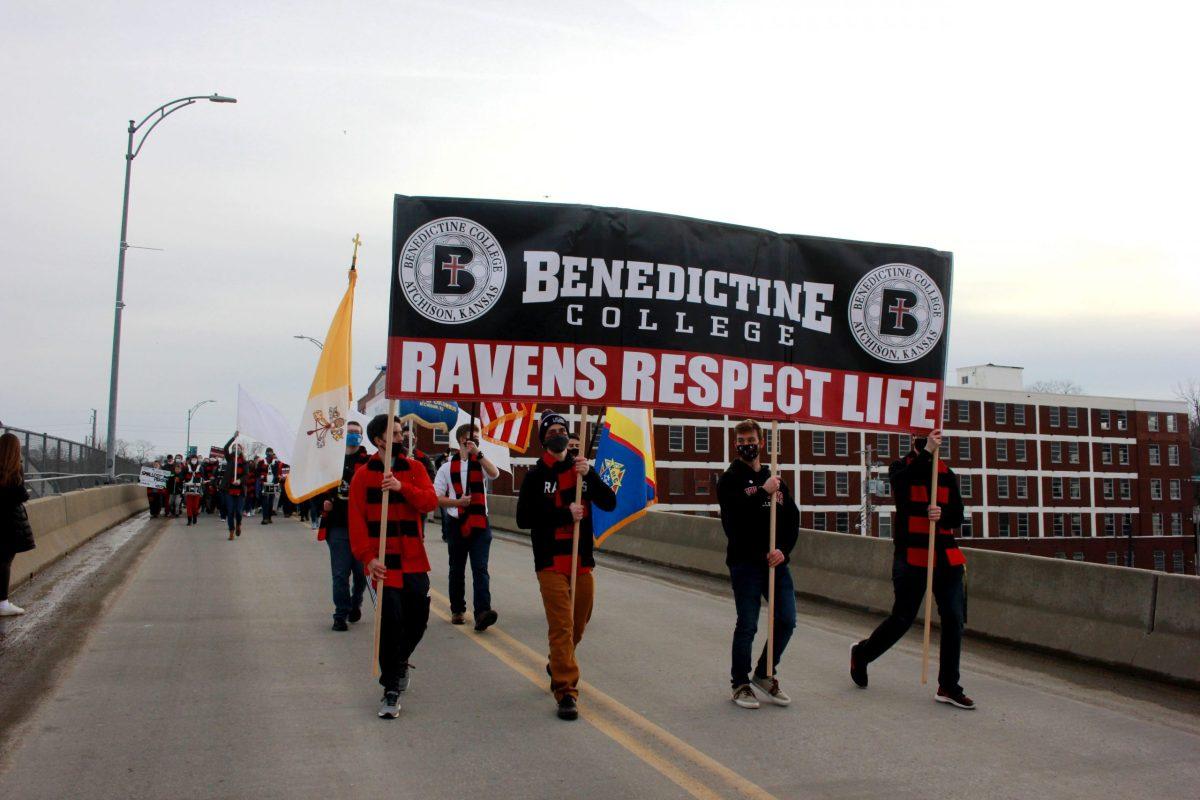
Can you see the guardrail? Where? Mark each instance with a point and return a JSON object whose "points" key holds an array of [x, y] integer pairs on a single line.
{"points": [[54, 465]]}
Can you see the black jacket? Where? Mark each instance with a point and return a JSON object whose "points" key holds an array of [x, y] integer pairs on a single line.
{"points": [[746, 515], [538, 511], [16, 536], [338, 496]]}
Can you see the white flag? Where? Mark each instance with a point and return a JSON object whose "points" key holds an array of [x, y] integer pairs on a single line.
{"points": [[262, 422]]}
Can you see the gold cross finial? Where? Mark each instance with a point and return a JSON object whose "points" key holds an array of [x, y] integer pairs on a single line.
{"points": [[354, 259]]}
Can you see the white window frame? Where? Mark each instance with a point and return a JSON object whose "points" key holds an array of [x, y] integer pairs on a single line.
{"points": [[675, 438], [1001, 413], [819, 487], [1022, 451], [841, 484], [841, 443], [1022, 487], [818, 437], [1156, 489], [1019, 414], [1001, 487], [1056, 488], [701, 438]]}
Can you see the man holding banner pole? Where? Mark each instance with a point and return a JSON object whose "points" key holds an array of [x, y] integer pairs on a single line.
{"points": [[918, 509], [558, 524], [746, 492]]}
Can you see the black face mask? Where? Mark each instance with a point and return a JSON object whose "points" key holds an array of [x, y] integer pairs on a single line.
{"points": [[573, 453], [557, 444], [747, 452]]}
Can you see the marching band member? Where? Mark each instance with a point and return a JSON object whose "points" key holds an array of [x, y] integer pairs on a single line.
{"points": [[268, 484], [193, 488]]}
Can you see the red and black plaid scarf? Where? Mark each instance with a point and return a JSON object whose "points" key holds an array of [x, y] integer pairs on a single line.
{"points": [[565, 475], [474, 517]]}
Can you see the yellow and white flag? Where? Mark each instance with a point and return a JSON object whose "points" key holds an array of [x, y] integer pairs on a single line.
{"points": [[320, 449]]}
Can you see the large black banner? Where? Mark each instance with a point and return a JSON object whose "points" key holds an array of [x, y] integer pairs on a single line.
{"points": [[554, 303]]}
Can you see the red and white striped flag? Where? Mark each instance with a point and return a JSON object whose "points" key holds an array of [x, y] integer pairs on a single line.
{"points": [[508, 424]]}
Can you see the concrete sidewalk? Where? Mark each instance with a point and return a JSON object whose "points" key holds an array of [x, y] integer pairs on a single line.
{"points": [[214, 674]]}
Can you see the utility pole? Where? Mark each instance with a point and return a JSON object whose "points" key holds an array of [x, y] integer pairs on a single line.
{"points": [[864, 522], [93, 427]]}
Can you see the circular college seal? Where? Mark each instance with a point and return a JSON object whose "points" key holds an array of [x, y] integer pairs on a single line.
{"points": [[897, 313], [452, 270]]}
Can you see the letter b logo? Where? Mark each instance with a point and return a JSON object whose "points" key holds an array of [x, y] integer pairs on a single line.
{"points": [[896, 317], [451, 275]]}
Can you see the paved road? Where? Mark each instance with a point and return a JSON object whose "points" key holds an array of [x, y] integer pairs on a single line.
{"points": [[213, 674]]}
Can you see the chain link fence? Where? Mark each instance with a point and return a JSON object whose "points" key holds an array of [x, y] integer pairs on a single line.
{"points": [[54, 465]]}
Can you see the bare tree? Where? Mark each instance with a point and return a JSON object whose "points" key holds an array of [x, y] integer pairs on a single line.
{"points": [[1057, 386], [1189, 392], [142, 450]]}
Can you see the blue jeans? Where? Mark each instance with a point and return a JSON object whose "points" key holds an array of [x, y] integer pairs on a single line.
{"points": [[475, 548], [909, 584], [749, 588], [344, 569], [233, 509]]}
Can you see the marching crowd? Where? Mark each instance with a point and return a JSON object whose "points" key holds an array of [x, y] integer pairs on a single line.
{"points": [[558, 492]]}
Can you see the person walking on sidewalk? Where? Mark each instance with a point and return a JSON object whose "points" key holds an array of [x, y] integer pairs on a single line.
{"points": [[547, 507], [404, 570], [16, 536], [916, 507], [745, 493], [461, 489], [349, 580]]}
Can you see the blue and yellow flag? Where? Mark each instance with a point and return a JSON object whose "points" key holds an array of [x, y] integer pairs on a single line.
{"points": [[625, 461]]}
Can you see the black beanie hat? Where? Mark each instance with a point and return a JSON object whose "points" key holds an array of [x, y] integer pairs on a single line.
{"points": [[550, 418]]}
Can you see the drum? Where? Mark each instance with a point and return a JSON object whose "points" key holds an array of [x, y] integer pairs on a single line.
{"points": [[270, 488], [193, 488]]}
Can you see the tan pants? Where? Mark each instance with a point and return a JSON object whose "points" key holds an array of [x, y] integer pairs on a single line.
{"points": [[564, 634]]}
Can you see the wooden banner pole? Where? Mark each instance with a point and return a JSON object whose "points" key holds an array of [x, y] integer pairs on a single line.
{"points": [[383, 520], [770, 549], [929, 564], [583, 437]]}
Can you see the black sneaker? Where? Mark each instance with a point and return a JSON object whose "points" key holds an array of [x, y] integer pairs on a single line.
{"points": [[389, 706], [567, 709], [858, 667], [458, 618], [340, 625], [355, 614], [956, 699], [486, 620]]}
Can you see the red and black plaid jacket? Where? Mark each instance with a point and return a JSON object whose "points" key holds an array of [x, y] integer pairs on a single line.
{"points": [[405, 548], [910, 479]]}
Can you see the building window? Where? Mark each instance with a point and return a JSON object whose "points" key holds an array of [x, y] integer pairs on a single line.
{"points": [[964, 411], [968, 529], [1176, 526], [702, 483], [1156, 524], [1177, 558], [1056, 488], [945, 412], [841, 443], [1106, 454], [883, 445], [1001, 487], [1107, 486], [440, 436], [1002, 449], [1019, 446], [1160, 560], [1111, 558], [1077, 525], [701, 439], [1018, 415], [1123, 454], [1056, 452], [1022, 487], [1072, 418], [1055, 416], [905, 445], [1023, 525], [842, 483], [819, 521], [1152, 451], [818, 484], [1073, 452], [1175, 489], [675, 482], [1152, 423], [885, 486], [1173, 455], [964, 448], [1110, 525], [675, 438], [1122, 420], [885, 526], [818, 443], [1125, 490], [1002, 529], [1172, 427], [964, 486], [1156, 488], [1104, 420], [842, 519], [1078, 556], [1076, 489], [1058, 524], [1001, 413], [944, 449]]}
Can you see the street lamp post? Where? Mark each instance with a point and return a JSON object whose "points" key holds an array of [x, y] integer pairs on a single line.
{"points": [[192, 411], [157, 115], [320, 345]]}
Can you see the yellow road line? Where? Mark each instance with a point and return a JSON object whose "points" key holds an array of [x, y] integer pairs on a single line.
{"points": [[696, 773]]}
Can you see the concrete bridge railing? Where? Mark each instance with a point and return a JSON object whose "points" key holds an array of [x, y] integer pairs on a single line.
{"points": [[1126, 618]]}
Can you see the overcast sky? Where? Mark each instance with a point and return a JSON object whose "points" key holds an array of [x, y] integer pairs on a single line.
{"points": [[1051, 146]]}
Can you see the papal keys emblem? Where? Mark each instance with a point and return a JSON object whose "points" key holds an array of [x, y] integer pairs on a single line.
{"points": [[334, 426]]}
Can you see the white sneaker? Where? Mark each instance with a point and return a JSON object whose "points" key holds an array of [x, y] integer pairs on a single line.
{"points": [[10, 609], [770, 687], [744, 696]]}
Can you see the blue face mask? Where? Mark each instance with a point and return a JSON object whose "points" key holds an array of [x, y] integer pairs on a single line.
{"points": [[354, 439]]}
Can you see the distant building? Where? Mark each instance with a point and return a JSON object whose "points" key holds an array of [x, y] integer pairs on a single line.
{"points": [[1100, 479]]}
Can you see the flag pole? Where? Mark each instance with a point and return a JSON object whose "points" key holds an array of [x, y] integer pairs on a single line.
{"points": [[383, 520], [929, 564], [578, 499], [771, 549]]}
